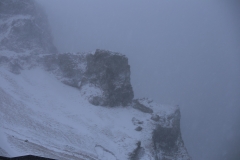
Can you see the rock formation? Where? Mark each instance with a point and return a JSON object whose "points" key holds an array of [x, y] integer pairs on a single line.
{"points": [[111, 73], [24, 28], [102, 77]]}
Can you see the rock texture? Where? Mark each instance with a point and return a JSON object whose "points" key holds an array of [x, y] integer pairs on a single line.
{"points": [[24, 28], [137, 105], [111, 73], [105, 71], [166, 135], [167, 141], [102, 77]]}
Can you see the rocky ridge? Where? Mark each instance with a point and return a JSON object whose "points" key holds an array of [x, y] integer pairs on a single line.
{"points": [[24, 28], [102, 77]]}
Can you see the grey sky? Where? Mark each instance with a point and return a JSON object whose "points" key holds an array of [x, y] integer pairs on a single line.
{"points": [[180, 52]]}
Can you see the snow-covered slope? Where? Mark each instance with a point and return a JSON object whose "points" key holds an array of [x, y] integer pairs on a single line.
{"points": [[74, 105], [42, 116], [24, 28]]}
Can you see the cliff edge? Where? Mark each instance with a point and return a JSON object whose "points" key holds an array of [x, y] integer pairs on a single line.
{"points": [[74, 105]]}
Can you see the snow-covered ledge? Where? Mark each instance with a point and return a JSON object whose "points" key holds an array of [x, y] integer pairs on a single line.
{"points": [[45, 117]]}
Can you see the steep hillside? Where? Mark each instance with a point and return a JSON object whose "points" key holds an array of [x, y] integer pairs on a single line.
{"points": [[24, 28], [74, 105], [41, 115]]}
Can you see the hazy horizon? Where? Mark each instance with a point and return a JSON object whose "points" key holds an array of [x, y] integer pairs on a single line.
{"points": [[183, 53]]}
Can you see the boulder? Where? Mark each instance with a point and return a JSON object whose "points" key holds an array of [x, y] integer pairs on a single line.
{"points": [[141, 107], [136, 121], [137, 153], [139, 128], [155, 117], [167, 140], [110, 71]]}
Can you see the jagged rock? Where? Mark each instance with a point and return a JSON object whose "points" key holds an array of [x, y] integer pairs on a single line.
{"points": [[68, 67], [102, 77], [155, 117], [137, 153], [139, 128], [97, 100], [141, 107], [103, 153], [135, 121], [110, 71], [105, 70], [167, 140], [24, 28]]}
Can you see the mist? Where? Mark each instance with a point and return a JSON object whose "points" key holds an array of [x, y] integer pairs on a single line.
{"points": [[184, 53]]}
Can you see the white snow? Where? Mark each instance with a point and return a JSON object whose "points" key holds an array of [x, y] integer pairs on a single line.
{"points": [[4, 144], [37, 107]]}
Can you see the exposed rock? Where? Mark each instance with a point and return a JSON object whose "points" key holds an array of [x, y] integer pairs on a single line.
{"points": [[102, 77], [141, 107], [167, 140], [137, 152], [96, 100], [24, 28], [166, 136], [103, 153], [139, 128], [136, 121], [110, 71], [105, 70], [68, 67], [155, 117]]}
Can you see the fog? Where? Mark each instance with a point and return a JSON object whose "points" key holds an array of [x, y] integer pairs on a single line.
{"points": [[184, 53]]}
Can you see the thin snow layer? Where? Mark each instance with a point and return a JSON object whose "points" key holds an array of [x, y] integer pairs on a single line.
{"points": [[13, 55], [40, 115], [9, 21]]}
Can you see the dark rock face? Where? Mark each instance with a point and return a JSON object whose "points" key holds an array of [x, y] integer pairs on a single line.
{"points": [[68, 67], [105, 70], [111, 72], [139, 128], [155, 117], [24, 28], [135, 121], [167, 140], [137, 152], [137, 105]]}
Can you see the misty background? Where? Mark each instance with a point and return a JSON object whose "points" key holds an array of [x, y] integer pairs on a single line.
{"points": [[184, 53]]}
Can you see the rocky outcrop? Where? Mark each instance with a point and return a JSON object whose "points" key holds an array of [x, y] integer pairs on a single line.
{"points": [[137, 153], [97, 77], [105, 72], [167, 140], [110, 72], [137, 105], [102, 77], [166, 134], [24, 28]]}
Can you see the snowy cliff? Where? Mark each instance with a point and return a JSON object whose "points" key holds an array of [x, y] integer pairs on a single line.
{"points": [[74, 105], [24, 28]]}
